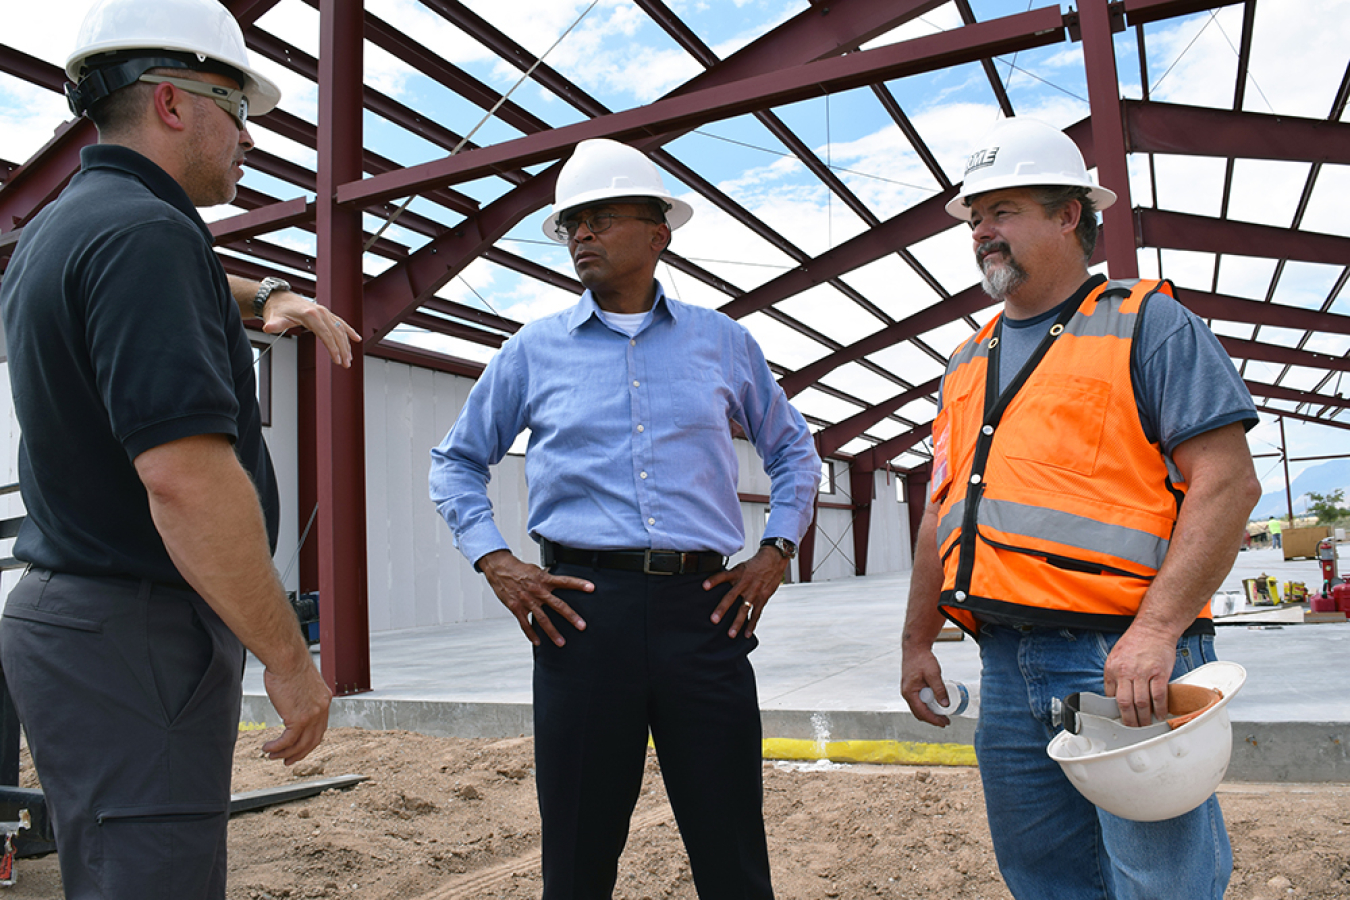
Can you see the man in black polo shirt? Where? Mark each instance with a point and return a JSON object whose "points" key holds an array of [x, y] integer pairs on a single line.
{"points": [[152, 504]]}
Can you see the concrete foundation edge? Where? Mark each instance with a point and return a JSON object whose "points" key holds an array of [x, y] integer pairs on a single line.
{"points": [[1262, 751]]}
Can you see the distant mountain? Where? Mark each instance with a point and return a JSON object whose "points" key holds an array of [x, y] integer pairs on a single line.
{"points": [[1320, 479]]}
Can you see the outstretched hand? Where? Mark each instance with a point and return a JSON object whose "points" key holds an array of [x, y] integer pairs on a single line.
{"points": [[286, 310]]}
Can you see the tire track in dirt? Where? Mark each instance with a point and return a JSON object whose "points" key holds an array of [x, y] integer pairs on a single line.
{"points": [[472, 886]]}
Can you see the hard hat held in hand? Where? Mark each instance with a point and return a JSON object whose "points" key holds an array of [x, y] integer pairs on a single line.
{"points": [[1020, 153], [202, 28], [1158, 771], [600, 170]]}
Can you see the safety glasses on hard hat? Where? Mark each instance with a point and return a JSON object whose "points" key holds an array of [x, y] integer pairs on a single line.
{"points": [[232, 100]]}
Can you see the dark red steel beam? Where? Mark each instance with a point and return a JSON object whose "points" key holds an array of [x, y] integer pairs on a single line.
{"points": [[1303, 418], [1108, 137], [469, 314], [31, 69], [917, 481], [304, 133], [831, 439], [1276, 392], [909, 227], [267, 252], [438, 325], [1154, 127], [37, 182], [686, 111], [804, 37], [1240, 349], [860, 487], [1181, 231], [1141, 12], [337, 456], [1254, 312], [969, 301], [274, 217], [426, 359], [877, 457]]}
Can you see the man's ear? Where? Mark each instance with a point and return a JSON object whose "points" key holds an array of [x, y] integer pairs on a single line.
{"points": [[1068, 216], [661, 237], [168, 105]]}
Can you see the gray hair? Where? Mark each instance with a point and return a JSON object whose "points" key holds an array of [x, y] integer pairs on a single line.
{"points": [[1054, 198]]}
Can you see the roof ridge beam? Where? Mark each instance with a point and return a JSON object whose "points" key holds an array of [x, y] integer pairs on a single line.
{"points": [[830, 439]]}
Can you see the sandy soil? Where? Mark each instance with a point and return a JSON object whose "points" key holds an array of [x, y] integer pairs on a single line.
{"points": [[443, 819]]}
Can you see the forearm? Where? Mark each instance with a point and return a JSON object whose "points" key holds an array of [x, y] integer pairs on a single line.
{"points": [[207, 512], [243, 290], [923, 620]]}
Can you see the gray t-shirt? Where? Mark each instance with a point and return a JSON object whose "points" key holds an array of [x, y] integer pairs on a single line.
{"points": [[1184, 382]]}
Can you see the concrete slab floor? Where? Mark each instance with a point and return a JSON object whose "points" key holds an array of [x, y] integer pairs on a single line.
{"points": [[828, 667]]}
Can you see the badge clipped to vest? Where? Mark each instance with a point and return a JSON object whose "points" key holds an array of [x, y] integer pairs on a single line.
{"points": [[942, 470]]}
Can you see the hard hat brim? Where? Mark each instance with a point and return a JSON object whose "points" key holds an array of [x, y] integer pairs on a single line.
{"points": [[1102, 198]]}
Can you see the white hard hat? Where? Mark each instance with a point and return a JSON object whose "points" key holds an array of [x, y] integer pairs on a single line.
{"points": [[601, 169], [1159, 771], [140, 28], [1024, 152]]}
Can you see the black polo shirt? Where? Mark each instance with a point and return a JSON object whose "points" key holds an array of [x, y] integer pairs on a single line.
{"points": [[122, 336]]}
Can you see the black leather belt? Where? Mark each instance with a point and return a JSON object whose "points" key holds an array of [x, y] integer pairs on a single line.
{"points": [[651, 562]]}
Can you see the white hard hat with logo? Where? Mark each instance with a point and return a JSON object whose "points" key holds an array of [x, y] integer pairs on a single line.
{"points": [[1023, 152], [1158, 771], [601, 169], [117, 36]]}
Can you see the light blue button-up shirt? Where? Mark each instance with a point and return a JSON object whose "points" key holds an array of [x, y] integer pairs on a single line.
{"points": [[630, 439]]}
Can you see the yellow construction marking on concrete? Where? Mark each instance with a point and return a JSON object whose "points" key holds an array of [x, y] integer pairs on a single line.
{"points": [[885, 752]]}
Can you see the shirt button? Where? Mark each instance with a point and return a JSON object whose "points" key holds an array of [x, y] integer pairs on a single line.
{"points": [[988, 429], [975, 479], [641, 428], [632, 343], [651, 521], [635, 384], [643, 475]]}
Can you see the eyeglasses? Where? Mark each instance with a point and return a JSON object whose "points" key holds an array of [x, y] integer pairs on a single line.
{"points": [[598, 223], [231, 100]]}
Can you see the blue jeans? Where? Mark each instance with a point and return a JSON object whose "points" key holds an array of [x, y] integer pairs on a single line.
{"points": [[1049, 840]]}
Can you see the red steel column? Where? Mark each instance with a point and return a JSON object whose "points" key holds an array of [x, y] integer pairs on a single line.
{"points": [[861, 485], [1108, 137], [338, 450]]}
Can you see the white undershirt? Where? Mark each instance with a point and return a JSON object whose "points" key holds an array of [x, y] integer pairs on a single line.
{"points": [[628, 323]]}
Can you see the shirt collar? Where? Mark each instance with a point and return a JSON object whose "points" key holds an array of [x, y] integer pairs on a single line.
{"points": [[587, 308], [123, 159]]}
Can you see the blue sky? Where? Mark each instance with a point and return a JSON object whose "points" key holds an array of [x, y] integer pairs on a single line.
{"points": [[622, 59]]}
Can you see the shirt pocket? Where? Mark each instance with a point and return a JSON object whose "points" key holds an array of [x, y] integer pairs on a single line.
{"points": [[700, 398], [1060, 423]]}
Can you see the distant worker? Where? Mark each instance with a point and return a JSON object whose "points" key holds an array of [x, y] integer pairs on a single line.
{"points": [[1276, 528], [1070, 431], [152, 506], [630, 397]]}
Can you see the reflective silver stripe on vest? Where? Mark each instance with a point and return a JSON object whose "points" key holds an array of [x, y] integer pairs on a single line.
{"points": [[948, 524], [1071, 530]]}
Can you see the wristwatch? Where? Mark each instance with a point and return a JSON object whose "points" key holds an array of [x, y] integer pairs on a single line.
{"points": [[265, 289], [782, 545]]}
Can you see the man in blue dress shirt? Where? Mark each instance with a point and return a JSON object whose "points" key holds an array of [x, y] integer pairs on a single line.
{"points": [[630, 398]]}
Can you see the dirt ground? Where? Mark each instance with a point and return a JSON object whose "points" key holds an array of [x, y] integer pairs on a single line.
{"points": [[445, 818]]}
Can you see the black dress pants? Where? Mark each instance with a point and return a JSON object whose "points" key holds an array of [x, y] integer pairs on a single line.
{"points": [[649, 658]]}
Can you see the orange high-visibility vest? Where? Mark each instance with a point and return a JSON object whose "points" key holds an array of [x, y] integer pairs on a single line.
{"points": [[1054, 506]]}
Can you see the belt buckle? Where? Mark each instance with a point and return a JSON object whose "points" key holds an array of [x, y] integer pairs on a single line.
{"points": [[647, 561]]}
